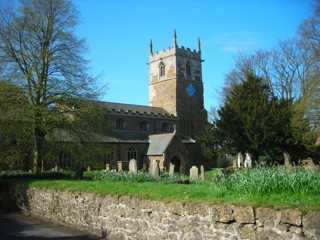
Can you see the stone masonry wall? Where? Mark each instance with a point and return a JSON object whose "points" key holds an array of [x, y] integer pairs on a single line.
{"points": [[127, 217]]}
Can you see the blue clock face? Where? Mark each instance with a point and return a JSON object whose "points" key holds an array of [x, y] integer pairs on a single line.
{"points": [[190, 90]]}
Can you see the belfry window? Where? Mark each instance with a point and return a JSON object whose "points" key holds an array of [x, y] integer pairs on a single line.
{"points": [[188, 68], [131, 153], [162, 69], [120, 124]]}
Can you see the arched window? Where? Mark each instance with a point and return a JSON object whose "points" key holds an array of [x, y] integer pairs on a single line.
{"points": [[131, 153], [120, 124], [143, 126], [165, 127], [188, 69], [162, 69]]}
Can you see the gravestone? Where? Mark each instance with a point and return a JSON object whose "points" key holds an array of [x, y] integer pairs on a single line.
{"points": [[171, 168], [240, 160], [194, 173], [234, 163], [107, 167], [119, 166], [248, 161], [287, 160], [88, 169], [202, 173], [154, 169], [133, 166]]}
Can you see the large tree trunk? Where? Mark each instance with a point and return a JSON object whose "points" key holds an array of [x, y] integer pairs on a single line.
{"points": [[35, 158], [37, 149]]}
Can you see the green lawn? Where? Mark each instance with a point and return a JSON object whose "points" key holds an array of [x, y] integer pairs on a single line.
{"points": [[210, 191], [277, 187]]}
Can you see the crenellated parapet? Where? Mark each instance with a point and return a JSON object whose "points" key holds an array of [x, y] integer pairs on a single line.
{"points": [[118, 109], [175, 49], [119, 112]]}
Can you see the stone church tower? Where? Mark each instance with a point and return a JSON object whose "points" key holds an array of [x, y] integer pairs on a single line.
{"points": [[176, 85]]}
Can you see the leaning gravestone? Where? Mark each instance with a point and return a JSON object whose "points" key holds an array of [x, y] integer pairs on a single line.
{"points": [[194, 173], [133, 166]]}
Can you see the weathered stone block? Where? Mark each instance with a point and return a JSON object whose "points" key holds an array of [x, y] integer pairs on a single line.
{"points": [[268, 233], [291, 216], [266, 216], [248, 232], [192, 208], [243, 214], [175, 207], [158, 206], [311, 227], [221, 213]]}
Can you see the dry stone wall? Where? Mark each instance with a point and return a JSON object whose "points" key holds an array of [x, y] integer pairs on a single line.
{"points": [[128, 217]]}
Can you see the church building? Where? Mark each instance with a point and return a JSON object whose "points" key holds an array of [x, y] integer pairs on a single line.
{"points": [[165, 130]]}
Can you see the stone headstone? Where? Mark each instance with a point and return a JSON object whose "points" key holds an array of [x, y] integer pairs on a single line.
{"points": [[202, 172], [194, 173], [107, 167], [119, 166], [171, 168], [56, 168], [234, 163], [133, 166], [248, 161], [154, 169], [287, 160], [88, 169], [240, 160]]}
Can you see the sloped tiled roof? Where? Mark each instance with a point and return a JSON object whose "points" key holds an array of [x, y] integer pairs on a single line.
{"points": [[63, 135], [130, 136], [133, 108], [159, 143]]}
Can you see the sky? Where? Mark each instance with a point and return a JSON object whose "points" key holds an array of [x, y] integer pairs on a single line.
{"points": [[118, 33]]}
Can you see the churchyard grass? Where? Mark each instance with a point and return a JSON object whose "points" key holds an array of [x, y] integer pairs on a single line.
{"points": [[298, 188]]}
